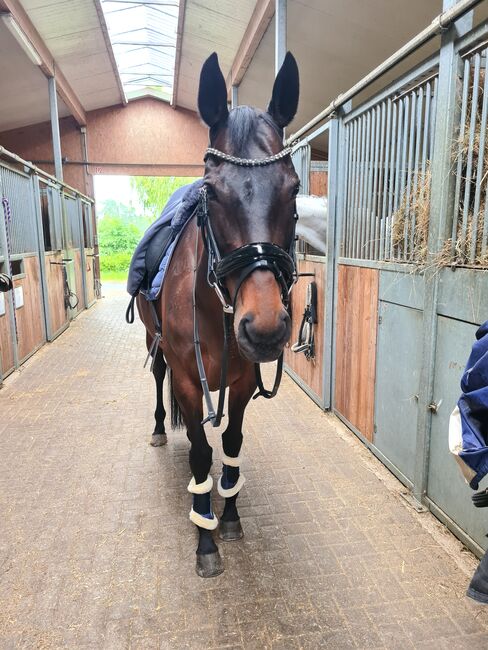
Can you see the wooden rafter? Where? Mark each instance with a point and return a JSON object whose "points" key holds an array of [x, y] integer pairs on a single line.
{"points": [[48, 63], [260, 20]]}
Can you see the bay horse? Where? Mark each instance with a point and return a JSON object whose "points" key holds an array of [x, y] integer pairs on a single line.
{"points": [[248, 223]]}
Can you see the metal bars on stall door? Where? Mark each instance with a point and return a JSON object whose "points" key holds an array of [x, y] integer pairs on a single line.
{"points": [[301, 157], [22, 226], [469, 240], [388, 153]]}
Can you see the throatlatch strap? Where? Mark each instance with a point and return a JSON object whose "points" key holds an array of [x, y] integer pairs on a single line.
{"points": [[262, 391]]}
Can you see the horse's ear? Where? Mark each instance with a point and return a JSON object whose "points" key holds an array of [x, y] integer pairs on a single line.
{"points": [[212, 93], [284, 100]]}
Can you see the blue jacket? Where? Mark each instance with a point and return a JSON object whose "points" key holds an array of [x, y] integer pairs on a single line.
{"points": [[473, 410]]}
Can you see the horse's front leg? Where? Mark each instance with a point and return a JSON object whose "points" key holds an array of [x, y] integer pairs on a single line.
{"points": [[232, 479], [189, 398]]}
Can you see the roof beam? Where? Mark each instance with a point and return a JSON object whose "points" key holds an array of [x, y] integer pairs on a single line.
{"points": [[260, 20], [179, 41], [48, 64], [110, 50]]}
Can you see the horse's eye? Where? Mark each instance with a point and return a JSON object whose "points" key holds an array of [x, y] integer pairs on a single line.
{"points": [[295, 190], [210, 192]]}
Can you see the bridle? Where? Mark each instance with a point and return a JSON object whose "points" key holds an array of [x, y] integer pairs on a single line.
{"points": [[243, 260]]}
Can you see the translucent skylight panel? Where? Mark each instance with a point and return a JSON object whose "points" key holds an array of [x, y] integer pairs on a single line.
{"points": [[143, 36]]}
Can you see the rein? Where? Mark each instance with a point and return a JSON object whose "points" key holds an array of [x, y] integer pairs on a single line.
{"points": [[245, 259]]}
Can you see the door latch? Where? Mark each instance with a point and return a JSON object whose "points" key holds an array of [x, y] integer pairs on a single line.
{"points": [[434, 406]]}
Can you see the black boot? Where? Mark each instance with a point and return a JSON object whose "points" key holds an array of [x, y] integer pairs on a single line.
{"points": [[478, 587]]}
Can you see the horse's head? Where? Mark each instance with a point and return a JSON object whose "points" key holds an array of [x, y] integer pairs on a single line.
{"points": [[248, 205]]}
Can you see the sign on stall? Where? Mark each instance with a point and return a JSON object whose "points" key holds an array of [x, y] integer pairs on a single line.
{"points": [[19, 297]]}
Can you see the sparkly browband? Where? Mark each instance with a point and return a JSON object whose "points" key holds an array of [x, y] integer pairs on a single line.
{"points": [[247, 162]]}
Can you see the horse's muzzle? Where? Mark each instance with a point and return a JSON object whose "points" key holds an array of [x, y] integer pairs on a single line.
{"points": [[263, 344]]}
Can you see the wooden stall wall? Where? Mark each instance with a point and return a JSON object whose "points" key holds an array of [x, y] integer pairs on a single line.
{"points": [[7, 362], [55, 289], [29, 317], [310, 372], [319, 183], [356, 329]]}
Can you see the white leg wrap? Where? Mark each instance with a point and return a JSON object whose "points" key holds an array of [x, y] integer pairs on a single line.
{"points": [[203, 522], [200, 488], [231, 492], [232, 461]]}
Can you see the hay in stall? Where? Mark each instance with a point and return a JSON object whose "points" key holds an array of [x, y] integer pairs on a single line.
{"points": [[463, 243], [414, 208], [417, 206]]}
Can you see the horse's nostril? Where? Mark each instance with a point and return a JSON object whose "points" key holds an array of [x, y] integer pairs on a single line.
{"points": [[264, 336]]}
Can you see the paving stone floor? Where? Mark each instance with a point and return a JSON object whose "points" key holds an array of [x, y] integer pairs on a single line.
{"points": [[96, 549]]}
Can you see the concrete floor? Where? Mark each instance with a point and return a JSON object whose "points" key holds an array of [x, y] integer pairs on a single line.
{"points": [[96, 549]]}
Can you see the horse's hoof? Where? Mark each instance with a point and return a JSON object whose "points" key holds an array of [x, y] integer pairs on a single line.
{"points": [[230, 531], [209, 565], [158, 439]]}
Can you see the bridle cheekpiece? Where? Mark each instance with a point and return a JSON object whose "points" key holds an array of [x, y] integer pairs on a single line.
{"points": [[249, 257]]}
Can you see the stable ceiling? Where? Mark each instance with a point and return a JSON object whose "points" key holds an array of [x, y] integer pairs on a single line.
{"points": [[74, 35]]}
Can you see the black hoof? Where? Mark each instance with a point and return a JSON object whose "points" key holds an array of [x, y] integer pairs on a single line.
{"points": [[230, 531], [209, 565], [158, 439]]}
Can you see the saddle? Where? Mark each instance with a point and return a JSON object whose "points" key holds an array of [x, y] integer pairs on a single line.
{"points": [[149, 254], [155, 253]]}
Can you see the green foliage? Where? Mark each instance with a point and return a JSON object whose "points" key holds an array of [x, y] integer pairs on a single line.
{"points": [[120, 226], [115, 261], [154, 191], [116, 236], [114, 209]]}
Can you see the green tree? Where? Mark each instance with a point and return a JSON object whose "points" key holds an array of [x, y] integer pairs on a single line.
{"points": [[116, 236], [154, 191], [115, 209]]}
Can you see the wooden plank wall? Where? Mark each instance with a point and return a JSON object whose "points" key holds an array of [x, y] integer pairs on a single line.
{"points": [[319, 183], [357, 321], [311, 372], [30, 317], [55, 288], [90, 275], [79, 280], [6, 343]]}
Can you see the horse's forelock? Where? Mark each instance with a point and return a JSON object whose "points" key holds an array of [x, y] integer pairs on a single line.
{"points": [[241, 123]]}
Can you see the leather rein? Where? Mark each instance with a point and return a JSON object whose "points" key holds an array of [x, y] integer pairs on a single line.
{"points": [[243, 260]]}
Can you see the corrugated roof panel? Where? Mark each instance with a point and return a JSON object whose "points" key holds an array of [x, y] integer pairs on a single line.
{"points": [[143, 36]]}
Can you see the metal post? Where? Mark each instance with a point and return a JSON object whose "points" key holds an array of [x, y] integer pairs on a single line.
{"points": [[82, 250], [336, 213], [280, 33], [36, 200], [335, 160], [442, 200], [234, 101], [84, 151], [53, 105]]}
